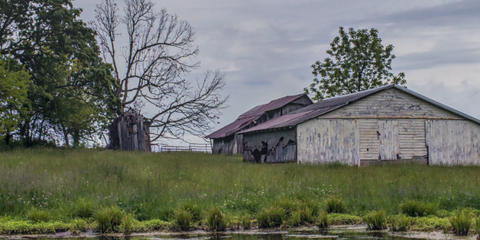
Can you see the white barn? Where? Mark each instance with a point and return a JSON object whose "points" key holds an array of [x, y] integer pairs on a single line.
{"points": [[382, 125]]}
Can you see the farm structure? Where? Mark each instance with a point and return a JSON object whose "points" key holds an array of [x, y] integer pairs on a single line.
{"points": [[227, 140], [389, 124]]}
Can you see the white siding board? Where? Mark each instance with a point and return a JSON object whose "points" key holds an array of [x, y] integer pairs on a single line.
{"points": [[328, 140]]}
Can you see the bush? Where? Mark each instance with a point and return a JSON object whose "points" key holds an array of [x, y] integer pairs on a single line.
{"points": [[83, 208], [335, 205], [399, 223], [270, 217], [109, 219], [301, 216], [376, 220], [128, 224], [461, 223], [183, 219], [194, 210], [415, 208], [322, 220], [79, 225], [246, 222], [38, 215], [342, 218], [216, 220]]}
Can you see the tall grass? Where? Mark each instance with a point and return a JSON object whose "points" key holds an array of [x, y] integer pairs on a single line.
{"points": [[153, 185]]}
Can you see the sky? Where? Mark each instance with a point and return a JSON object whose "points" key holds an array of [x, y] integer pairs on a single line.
{"points": [[266, 48]]}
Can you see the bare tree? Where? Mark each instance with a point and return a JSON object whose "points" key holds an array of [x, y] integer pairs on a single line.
{"points": [[150, 68]]}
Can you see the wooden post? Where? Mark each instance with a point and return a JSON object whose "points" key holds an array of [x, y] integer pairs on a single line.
{"points": [[130, 132]]}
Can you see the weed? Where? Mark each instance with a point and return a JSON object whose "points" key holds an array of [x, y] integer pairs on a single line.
{"points": [[461, 222], [183, 219], [415, 208], [376, 220], [335, 205], [194, 210], [322, 220], [270, 217], [215, 220], [109, 219], [399, 223], [83, 208], [301, 216], [38, 215], [246, 222]]}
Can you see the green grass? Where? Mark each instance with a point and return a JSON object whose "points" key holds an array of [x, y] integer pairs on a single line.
{"points": [[73, 184]]}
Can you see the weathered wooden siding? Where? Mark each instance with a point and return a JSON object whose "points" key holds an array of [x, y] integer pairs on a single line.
{"points": [[392, 139], [453, 142], [391, 103], [223, 145], [327, 141], [270, 147]]}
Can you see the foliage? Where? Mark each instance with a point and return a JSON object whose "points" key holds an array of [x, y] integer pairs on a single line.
{"points": [[14, 102], [215, 220], [193, 209], [38, 215], [183, 219], [128, 223], [342, 218], [246, 222], [109, 219], [301, 216], [270, 217], [72, 90], [357, 61], [322, 220], [376, 220], [335, 205], [477, 225], [461, 222], [154, 185], [83, 208], [415, 208], [399, 223]]}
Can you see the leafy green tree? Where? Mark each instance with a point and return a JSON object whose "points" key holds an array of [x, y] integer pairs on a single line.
{"points": [[60, 52], [14, 102], [357, 61]]}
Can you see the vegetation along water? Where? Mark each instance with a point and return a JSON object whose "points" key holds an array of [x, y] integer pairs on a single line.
{"points": [[51, 190]]}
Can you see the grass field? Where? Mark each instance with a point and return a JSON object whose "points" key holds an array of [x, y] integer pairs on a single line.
{"points": [[153, 186]]}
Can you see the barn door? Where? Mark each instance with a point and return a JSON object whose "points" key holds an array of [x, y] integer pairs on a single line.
{"points": [[387, 135]]}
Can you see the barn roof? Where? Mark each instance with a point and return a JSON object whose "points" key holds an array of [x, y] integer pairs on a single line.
{"points": [[331, 104], [245, 119]]}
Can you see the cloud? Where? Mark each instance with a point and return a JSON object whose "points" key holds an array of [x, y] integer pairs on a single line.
{"points": [[266, 47]]}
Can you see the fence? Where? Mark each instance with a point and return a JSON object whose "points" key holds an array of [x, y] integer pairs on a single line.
{"points": [[193, 147]]}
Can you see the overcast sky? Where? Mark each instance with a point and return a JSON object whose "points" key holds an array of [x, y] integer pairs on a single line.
{"points": [[266, 47]]}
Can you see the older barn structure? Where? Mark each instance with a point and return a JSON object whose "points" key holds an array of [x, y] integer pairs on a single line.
{"points": [[227, 140], [382, 125]]}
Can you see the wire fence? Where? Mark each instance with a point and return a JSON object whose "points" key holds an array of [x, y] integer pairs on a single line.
{"points": [[192, 147]]}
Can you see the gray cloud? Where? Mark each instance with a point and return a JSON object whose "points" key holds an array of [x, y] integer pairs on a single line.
{"points": [[266, 47]]}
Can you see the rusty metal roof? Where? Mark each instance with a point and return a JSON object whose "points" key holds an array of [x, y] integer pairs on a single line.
{"points": [[247, 118], [331, 104]]}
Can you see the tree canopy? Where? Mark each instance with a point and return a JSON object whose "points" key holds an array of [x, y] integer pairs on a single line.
{"points": [[72, 91], [357, 61]]}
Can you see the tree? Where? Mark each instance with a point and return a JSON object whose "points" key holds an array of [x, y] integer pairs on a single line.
{"points": [[61, 54], [358, 61], [14, 102], [151, 67]]}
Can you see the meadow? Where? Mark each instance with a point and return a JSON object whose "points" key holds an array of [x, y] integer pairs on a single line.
{"points": [[53, 185]]}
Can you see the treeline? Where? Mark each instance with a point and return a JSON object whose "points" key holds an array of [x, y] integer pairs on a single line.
{"points": [[53, 83]]}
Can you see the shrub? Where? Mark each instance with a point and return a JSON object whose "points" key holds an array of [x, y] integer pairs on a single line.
{"points": [[461, 222], [109, 219], [183, 219], [83, 208], [342, 218], [415, 208], [376, 220], [270, 217], [194, 210], [79, 225], [128, 224], [322, 220], [216, 220], [38, 215], [246, 222], [301, 216], [335, 205], [399, 223]]}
